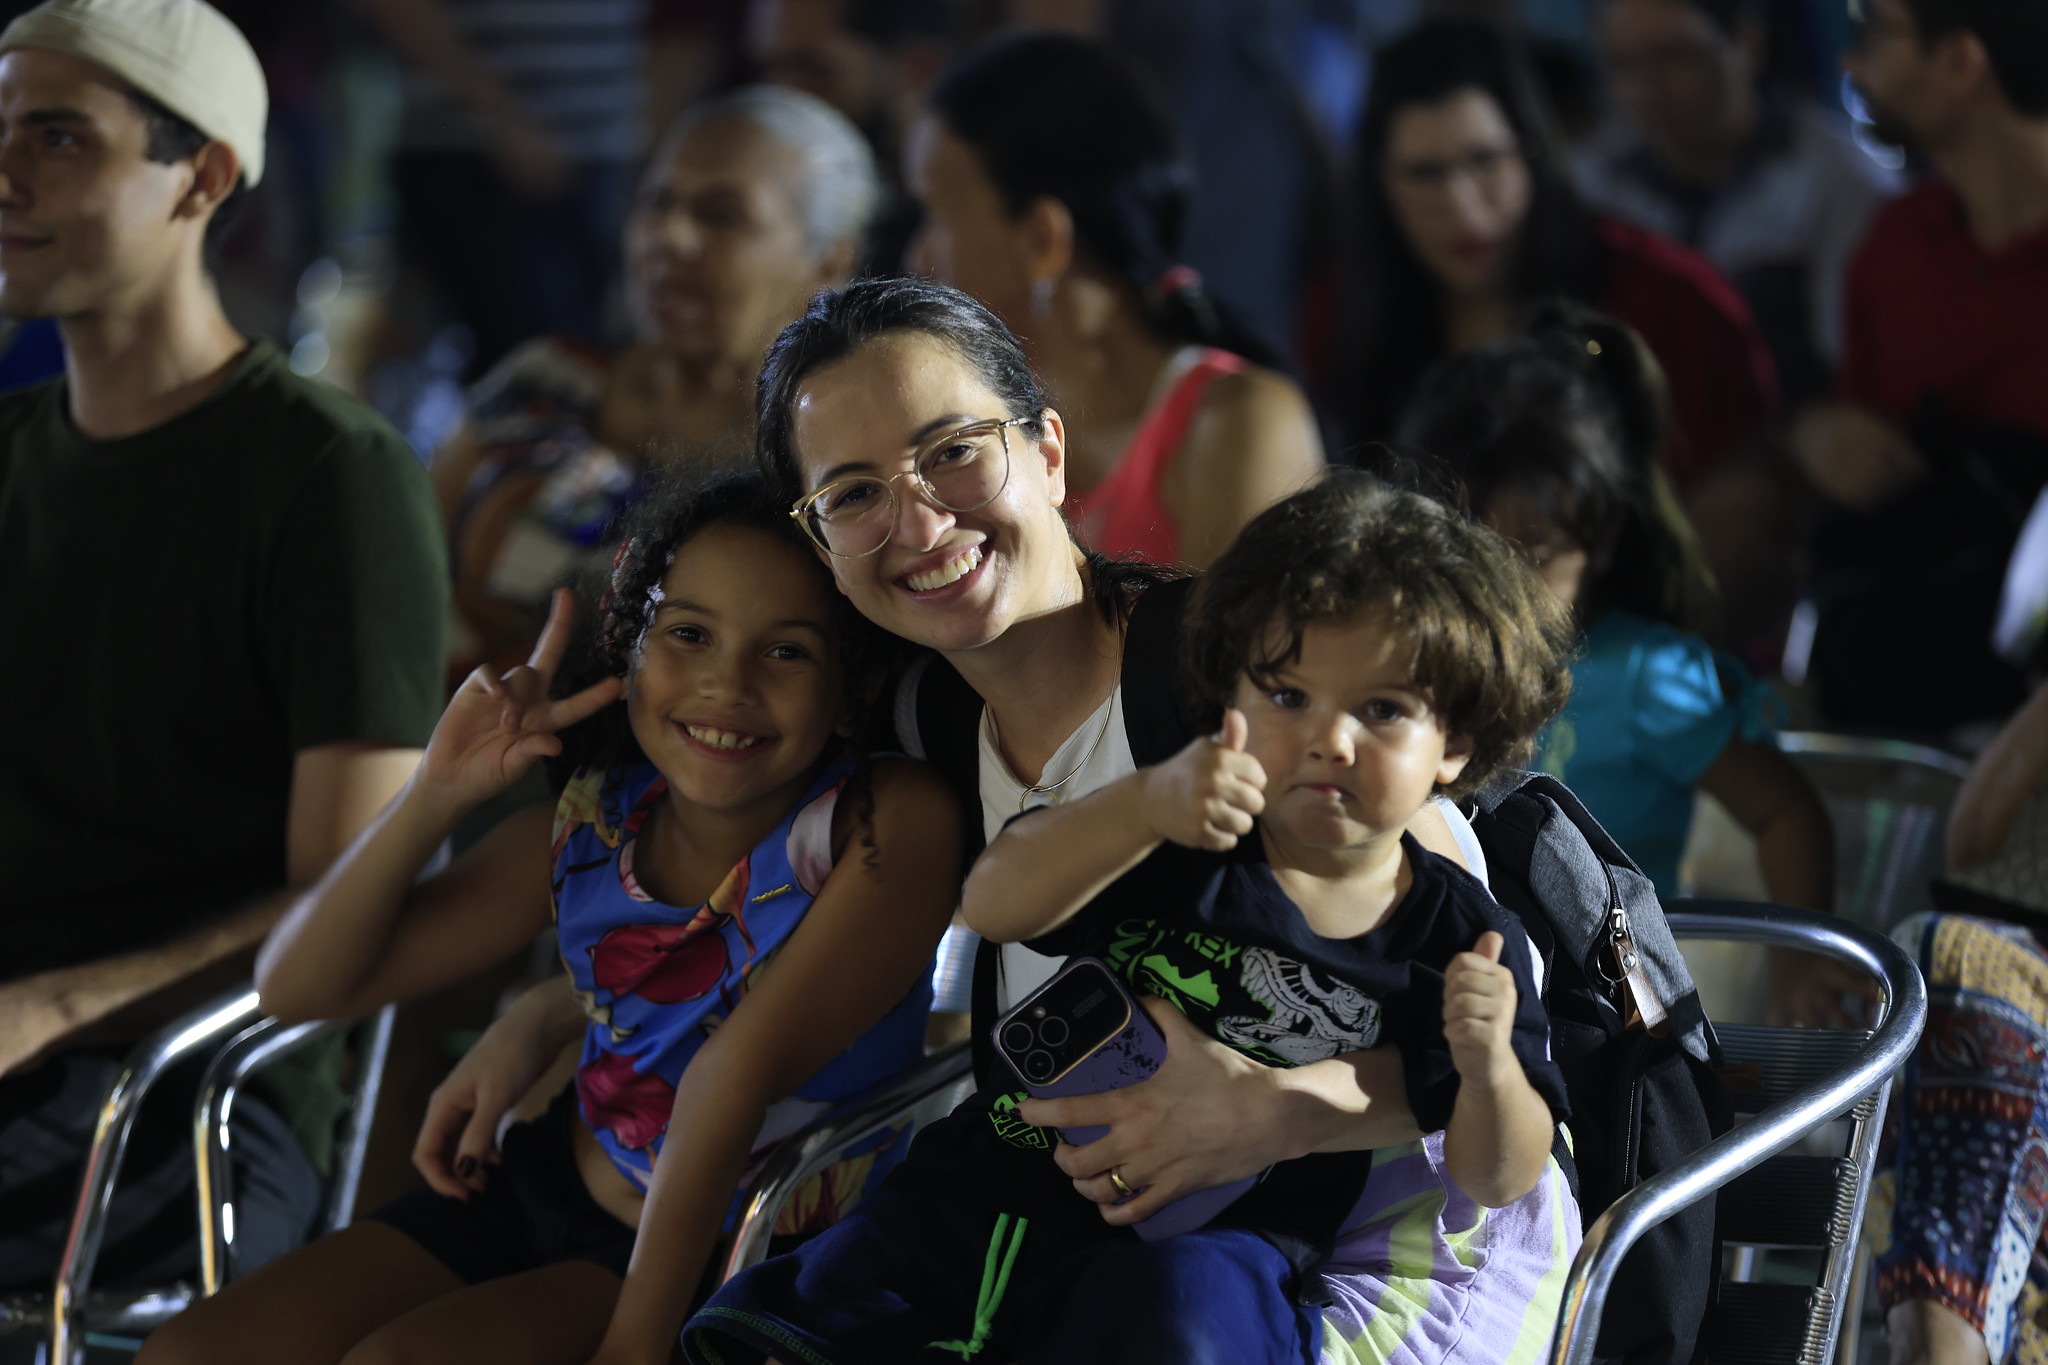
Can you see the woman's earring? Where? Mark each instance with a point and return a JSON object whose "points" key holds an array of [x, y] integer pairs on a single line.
{"points": [[1041, 297]]}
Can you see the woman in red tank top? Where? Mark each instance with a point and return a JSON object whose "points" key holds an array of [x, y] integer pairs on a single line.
{"points": [[1054, 189]]}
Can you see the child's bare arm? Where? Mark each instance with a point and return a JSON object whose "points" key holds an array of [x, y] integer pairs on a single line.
{"points": [[866, 939], [1499, 1135], [1774, 801], [365, 933], [1036, 874]]}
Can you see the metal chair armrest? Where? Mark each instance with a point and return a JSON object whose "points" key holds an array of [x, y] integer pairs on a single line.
{"points": [[255, 1047], [144, 1066], [1903, 1013], [1831, 745], [804, 1153]]}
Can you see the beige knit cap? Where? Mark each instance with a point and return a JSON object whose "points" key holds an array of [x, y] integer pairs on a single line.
{"points": [[184, 54]]}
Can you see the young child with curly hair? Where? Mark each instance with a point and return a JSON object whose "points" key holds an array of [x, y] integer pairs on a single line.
{"points": [[1358, 650], [746, 907]]}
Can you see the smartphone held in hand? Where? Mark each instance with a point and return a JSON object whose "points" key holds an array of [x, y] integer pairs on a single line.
{"points": [[1082, 1033]]}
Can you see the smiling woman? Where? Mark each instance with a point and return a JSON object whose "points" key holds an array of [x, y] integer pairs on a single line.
{"points": [[1029, 633], [751, 203], [1368, 648]]}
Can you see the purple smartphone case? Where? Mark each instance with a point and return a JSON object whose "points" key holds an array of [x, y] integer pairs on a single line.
{"points": [[1127, 1057]]}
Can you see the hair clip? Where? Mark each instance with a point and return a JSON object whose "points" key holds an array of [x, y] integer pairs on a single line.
{"points": [[1177, 279]]}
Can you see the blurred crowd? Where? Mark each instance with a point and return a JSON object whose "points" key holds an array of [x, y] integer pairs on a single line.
{"points": [[517, 228], [1728, 313]]}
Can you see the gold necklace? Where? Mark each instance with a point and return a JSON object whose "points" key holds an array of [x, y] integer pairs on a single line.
{"points": [[1041, 788]]}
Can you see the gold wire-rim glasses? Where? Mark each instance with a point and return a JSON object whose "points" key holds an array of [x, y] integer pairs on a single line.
{"points": [[801, 512]]}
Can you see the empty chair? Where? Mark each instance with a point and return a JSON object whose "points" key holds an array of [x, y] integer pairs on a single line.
{"points": [[1784, 1085]]}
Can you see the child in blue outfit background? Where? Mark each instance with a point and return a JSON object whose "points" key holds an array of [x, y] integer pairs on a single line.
{"points": [[1555, 434], [746, 908], [1358, 650]]}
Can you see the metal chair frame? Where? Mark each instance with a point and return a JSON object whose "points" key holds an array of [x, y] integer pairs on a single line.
{"points": [[1902, 1013], [1899, 832], [1857, 1086], [812, 1149], [73, 1307], [250, 1051]]}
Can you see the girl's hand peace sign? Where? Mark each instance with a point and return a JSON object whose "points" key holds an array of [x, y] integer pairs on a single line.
{"points": [[496, 728]]}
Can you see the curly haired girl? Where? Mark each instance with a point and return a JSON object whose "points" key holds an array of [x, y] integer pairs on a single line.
{"points": [[738, 967]]}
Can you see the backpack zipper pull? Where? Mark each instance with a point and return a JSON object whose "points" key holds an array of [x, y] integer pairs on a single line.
{"points": [[1629, 966]]}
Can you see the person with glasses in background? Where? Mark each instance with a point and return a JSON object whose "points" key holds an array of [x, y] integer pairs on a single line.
{"points": [[1467, 216]]}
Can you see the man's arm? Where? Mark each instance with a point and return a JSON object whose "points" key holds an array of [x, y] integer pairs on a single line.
{"points": [[336, 789]]}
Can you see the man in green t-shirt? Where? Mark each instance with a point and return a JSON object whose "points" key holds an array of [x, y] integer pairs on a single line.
{"points": [[222, 586], [222, 597]]}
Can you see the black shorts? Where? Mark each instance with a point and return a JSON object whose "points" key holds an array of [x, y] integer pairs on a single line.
{"points": [[534, 1209]]}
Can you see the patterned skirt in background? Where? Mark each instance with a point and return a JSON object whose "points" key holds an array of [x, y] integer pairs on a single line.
{"points": [[1956, 1216]]}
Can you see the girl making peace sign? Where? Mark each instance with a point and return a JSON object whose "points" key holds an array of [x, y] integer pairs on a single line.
{"points": [[747, 910]]}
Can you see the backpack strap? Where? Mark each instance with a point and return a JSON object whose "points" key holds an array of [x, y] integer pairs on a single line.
{"points": [[1155, 720], [1593, 902], [938, 719]]}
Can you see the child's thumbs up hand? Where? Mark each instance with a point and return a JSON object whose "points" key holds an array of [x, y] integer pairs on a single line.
{"points": [[1479, 1010], [1208, 794]]}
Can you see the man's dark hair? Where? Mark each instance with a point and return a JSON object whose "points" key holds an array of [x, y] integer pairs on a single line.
{"points": [[172, 138], [1491, 644], [2015, 37]]}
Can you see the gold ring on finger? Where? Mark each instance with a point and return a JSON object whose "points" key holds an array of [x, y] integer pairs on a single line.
{"points": [[1116, 1180]]}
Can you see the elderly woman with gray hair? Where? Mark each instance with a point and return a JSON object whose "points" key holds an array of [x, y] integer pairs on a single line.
{"points": [[752, 202]]}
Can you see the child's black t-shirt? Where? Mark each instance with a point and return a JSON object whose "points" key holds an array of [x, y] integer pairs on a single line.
{"points": [[1215, 934]]}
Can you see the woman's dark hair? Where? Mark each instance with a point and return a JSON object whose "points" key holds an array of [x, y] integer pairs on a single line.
{"points": [[1491, 644], [839, 322], [1057, 116], [1396, 326], [616, 606], [1570, 413]]}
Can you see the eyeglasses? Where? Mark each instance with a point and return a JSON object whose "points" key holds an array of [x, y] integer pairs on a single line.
{"points": [[1483, 165], [958, 472]]}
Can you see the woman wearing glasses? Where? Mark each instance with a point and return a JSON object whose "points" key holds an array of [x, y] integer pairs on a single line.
{"points": [[1467, 217], [1054, 191], [927, 465]]}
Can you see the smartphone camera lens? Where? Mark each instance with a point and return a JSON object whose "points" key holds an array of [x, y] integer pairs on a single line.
{"points": [[1039, 1065], [1017, 1038], [1053, 1032]]}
